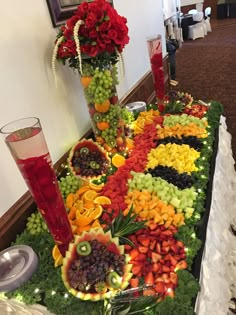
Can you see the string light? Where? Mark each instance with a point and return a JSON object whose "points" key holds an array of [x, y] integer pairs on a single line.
{"points": [[36, 290], [66, 295], [53, 292]]}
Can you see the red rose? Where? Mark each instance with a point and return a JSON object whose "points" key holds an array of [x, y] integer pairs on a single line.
{"points": [[90, 20], [105, 26], [112, 34], [90, 50]]}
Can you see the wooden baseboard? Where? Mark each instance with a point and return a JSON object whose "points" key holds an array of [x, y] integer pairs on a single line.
{"points": [[14, 220]]}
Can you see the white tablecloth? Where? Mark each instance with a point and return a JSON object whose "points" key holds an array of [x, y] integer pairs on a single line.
{"points": [[218, 269]]}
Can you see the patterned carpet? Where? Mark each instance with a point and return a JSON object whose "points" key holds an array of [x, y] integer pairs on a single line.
{"points": [[206, 68]]}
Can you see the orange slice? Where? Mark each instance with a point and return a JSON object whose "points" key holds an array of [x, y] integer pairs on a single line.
{"points": [[88, 204], [96, 213], [90, 195], [57, 256], [102, 200], [118, 160], [83, 221], [82, 190], [96, 187]]}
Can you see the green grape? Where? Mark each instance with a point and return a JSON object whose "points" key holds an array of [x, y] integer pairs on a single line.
{"points": [[69, 184], [35, 224]]}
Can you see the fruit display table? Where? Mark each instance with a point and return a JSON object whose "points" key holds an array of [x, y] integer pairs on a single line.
{"points": [[152, 223]]}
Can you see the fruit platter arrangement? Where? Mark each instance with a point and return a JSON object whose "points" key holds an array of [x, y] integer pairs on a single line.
{"points": [[138, 217]]}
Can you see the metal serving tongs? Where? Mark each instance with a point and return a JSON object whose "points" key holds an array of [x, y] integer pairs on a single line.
{"points": [[121, 304]]}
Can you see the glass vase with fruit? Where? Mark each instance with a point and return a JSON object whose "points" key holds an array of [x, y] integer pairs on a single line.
{"points": [[91, 42]]}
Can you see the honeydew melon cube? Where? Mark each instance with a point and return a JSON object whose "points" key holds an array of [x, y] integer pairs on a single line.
{"points": [[175, 202]]}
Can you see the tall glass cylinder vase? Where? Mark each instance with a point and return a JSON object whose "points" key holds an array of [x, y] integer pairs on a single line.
{"points": [[155, 54], [104, 110], [26, 142]]}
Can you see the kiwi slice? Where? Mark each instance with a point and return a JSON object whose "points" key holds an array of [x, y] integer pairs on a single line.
{"points": [[111, 143], [114, 123], [93, 165], [97, 117], [84, 150], [114, 280], [83, 248]]}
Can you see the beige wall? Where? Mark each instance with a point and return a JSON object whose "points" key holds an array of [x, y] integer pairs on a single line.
{"points": [[27, 84]]}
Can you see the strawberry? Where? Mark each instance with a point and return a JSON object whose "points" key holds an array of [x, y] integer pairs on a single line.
{"points": [[158, 248], [134, 282], [143, 240], [175, 249], [182, 264], [173, 261], [155, 267], [143, 249], [155, 257], [140, 257], [153, 226], [160, 287], [165, 268], [180, 244], [149, 292], [153, 245], [136, 270], [133, 254], [149, 278], [167, 233], [173, 278]]}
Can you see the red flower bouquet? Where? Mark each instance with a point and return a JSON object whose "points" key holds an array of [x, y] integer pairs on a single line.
{"points": [[96, 34]]}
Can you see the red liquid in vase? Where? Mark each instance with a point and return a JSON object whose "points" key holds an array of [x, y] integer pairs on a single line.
{"points": [[30, 152]]}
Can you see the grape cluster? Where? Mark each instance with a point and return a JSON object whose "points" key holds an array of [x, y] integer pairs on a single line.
{"points": [[69, 184], [192, 141], [91, 163], [170, 174], [35, 224], [86, 271], [127, 116], [100, 88]]}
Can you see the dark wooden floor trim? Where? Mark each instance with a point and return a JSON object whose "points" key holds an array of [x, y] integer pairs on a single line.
{"points": [[14, 220]]}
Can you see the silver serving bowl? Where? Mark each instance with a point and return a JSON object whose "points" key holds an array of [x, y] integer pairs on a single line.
{"points": [[17, 265]]}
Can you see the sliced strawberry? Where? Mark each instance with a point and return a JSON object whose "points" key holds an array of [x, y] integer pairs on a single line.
{"points": [[143, 249], [156, 257], [134, 282], [165, 268], [155, 267], [143, 240], [149, 292], [167, 233], [160, 287], [133, 254], [136, 270], [158, 248], [175, 249], [165, 249], [182, 264], [180, 244], [173, 278], [149, 278], [173, 261], [140, 257], [153, 245]]}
